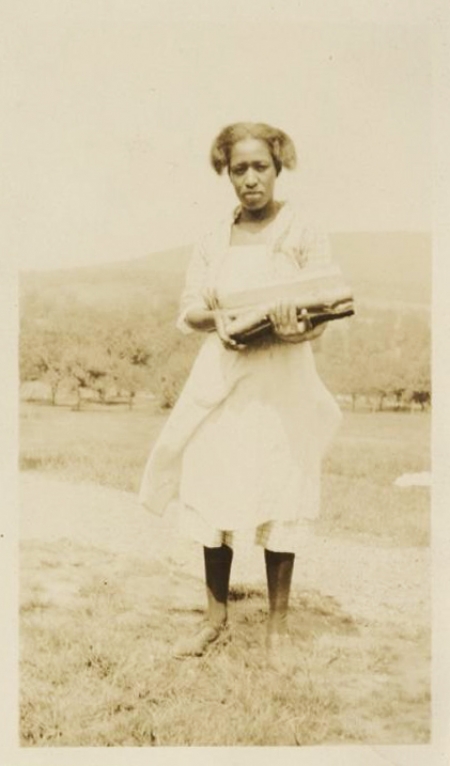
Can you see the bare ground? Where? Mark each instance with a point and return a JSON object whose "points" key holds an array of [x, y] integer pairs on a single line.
{"points": [[377, 584]]}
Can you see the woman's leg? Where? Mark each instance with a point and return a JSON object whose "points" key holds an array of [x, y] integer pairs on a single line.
{"points": [[279, 570], [217, 577]]}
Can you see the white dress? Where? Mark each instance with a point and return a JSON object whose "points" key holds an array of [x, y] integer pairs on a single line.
{"points": [[242, 448]]}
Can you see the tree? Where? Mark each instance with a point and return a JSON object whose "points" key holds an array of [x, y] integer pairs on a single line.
{"points": [[40, 355], [129, 378], [378, 355], [88, 368]]}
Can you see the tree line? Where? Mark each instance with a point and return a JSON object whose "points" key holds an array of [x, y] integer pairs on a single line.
{"points": [[382, 357], [113, 353]]}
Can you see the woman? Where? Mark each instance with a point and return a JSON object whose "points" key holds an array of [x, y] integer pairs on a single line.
{"points": [[242, 448]]}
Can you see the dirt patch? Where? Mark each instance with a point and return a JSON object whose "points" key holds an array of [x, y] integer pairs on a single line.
{"points": [[375, 583]]}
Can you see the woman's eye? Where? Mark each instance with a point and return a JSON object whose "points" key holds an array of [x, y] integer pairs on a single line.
{"points": [[241, 170]]}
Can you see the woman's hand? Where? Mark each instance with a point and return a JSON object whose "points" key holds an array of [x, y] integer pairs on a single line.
{"points": [[288, 327], [222, 321]]}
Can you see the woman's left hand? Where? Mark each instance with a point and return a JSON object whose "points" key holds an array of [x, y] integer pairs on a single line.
{"points": [[286, 324]]}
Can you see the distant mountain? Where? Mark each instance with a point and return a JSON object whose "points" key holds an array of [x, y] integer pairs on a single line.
{"points": [[386, 266], [383, 268], [168, 261]]}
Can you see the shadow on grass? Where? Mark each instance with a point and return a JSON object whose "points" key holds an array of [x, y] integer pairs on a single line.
{"points": [[241, 593], [311, 615], [96, 668]]}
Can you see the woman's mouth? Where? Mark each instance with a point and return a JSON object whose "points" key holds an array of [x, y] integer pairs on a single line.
{"points": [[252, 195]]}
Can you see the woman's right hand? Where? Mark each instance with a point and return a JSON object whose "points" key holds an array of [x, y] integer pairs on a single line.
{"points": [[222, 320]]}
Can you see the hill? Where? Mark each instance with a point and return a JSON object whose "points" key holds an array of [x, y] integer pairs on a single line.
{"points": [[388, 268]]}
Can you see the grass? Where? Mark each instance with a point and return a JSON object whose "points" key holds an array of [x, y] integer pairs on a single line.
{"points": [[96, 628], [358, 492], [105, 445], [96, 668], [110, 446]]}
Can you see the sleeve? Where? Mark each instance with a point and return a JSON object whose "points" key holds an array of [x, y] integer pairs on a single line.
{"points": [[195, 282], [306, 244]]}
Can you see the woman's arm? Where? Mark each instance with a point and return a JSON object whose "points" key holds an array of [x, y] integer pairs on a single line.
{"points": [[199, 307], [200, 319], [210, 319], [193, 307]]}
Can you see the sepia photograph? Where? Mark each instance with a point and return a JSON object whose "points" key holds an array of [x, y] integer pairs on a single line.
{"points": [[224, 386]]}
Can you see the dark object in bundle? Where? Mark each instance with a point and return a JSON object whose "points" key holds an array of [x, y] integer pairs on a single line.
{"points": [[315, 316], [320, 295]]}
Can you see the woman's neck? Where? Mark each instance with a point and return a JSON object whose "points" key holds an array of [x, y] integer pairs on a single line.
{"points": [[262, 215]]}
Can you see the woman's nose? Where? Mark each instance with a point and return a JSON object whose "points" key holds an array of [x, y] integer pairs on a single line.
{"points": [[250, 178]]}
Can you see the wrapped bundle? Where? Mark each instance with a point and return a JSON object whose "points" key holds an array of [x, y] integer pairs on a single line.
{"points": [[320, 294]]}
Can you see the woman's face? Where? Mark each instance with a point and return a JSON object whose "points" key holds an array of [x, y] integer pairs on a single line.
{"points": [[252, 173]]}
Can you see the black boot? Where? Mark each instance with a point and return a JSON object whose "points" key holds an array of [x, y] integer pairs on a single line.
{"points": [[217, 576], [279, 570]]}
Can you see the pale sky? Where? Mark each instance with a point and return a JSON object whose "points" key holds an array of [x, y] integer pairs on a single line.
{"points": [[115, 106]]}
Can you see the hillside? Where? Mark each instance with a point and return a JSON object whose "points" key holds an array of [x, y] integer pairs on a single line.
{"points": [[388, 268]]}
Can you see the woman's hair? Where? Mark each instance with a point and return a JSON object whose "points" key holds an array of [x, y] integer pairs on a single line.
{"points": [[280, 145]]}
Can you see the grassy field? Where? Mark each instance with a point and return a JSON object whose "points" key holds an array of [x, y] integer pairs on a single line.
{"points": [[96, 626], [96, 668], [110, 446]]}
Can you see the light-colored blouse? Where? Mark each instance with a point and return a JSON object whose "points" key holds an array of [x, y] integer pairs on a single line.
{"points": [[289, 234]]}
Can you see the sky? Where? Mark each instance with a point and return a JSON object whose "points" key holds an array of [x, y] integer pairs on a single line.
{"points": [[114, 107]]}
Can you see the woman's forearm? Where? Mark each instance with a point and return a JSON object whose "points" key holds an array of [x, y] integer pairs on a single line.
{"points": [[317, 331], [201, 319]]}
